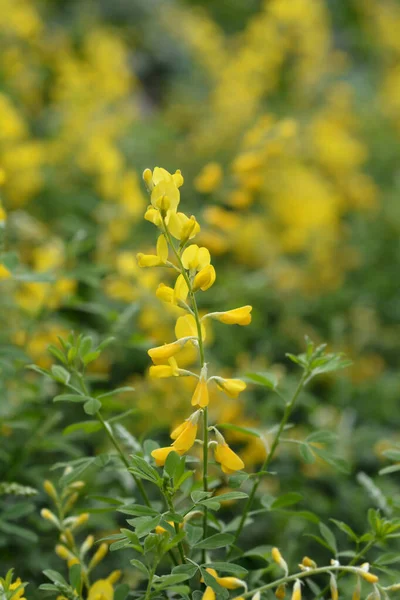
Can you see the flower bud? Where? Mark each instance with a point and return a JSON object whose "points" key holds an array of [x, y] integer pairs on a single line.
{"points": [[296, 594], [81, 520], [333, 587], [278, 558], [63, 552], [99, 555], [280, 591], [308, 562], [49, 516], [148, 179], [87, 544], [50, 490]]}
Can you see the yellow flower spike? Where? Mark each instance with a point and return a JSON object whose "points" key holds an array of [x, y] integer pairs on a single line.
{"points": [[162, 353], [195, 258], [101, 590], [163, 371], [185, 434], [278, 558], [200, 395], [204, 279], [160, 455], [296, 594], [4, 272], [333, 588], [99, 555], [186, 327], [50, 490], [232, 387], [236, 316], [114, 576], [209, 594], [228, 459], [280, 591]]}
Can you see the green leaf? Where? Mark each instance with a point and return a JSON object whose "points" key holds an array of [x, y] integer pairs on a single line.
{"points": [[57, 353], [190, 570], [119, 390], [85, 426], [346, 529], [286, 500], [328, 537], [225, 567], [90, 357], [71, 398], [138, 510], [199, 495], [219, 540], [238, 429], [210, 581], [13, 529], [266, 379], [55, 577], [306, 453], [140, 567], [60, 374], [168, 580], [392, 454], [92, 406], [143, 470], [334, 461], [75, 577], [121, 591], [390, 469], [171, 464], [144, 525], [228, 496], [322, 436]]}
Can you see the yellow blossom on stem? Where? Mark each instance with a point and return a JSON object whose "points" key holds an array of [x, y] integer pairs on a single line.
{"points": [[18, 595], [228, 459], [176, 295], [236, 316], [155, 260], [101, 590], [186, 327], [209, 594], [278, 558], [232, 387], [160, 455], [182, 227], [296, 594], [200, 395], [99, 555], [185, 434], [204, 279], [195, 258], [162, 353], [162, 371]]}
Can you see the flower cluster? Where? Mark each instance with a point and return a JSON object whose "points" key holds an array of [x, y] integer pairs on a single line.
{"points": [[195, 274]]}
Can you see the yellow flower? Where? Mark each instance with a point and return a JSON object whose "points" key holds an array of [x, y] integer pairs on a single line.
{"points": [[160, 455], [164, 188], [296, 594], [209, 594], [101, 590], [229, 583], [228, 459], [18, 595], [236, 316], [209, 178], [162, 353], [176, 295], [204, 279], [99, 555], [155, 260], [185, 434], [4, 272], [232, 387], [153, 215], [183, 228], [186, 327], [162, 371], [195, 258], [200, 395]]}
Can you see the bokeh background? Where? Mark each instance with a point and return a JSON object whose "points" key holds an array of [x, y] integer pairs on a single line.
{"points": [[284, 117]]}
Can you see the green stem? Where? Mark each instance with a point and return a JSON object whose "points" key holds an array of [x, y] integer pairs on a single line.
{"points": [[353, 561], [202, 360], [172, 509], [107, 428], [288, 411], [302, 575], [150, 582]]}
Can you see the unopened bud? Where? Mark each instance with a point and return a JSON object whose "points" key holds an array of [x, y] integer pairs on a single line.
{"points": [[148, 179], [70, 502], [114, 576], [50, 490], [278, 558], [87, 544], [98, 557], [280, 591], [357, 590], [370, 577], [77, 485], [308, 562], [296, 594], [49, 516], [63, 552], [72, 562], [79, 521], [334, 588]]}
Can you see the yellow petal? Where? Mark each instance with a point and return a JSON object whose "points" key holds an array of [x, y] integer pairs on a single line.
{"points": [[186, 326], [148, 260], [236, 316], [162, 249], [162, 353], [200, 396], [160, 455], [228, 459], [209, 594], [165, 293], [181, 289], [101, 589], [232, 387], [186, 438], [204, 279]]}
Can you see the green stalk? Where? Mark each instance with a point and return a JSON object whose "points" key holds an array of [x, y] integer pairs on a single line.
{"points": [[172, 509], [288, 411], [201, 355], [302, 575], [150, 582]]}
